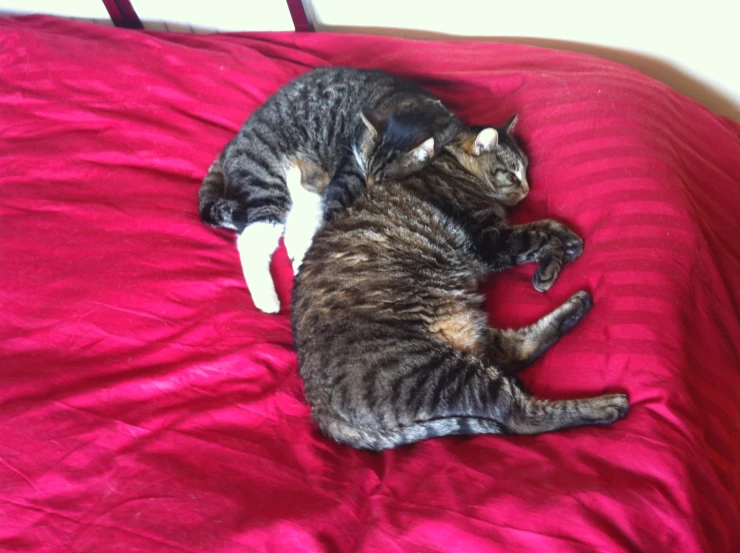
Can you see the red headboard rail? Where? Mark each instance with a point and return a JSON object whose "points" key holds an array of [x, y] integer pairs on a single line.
{"points": [[123, 14]]}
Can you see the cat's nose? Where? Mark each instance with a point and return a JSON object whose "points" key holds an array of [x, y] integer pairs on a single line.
{"points": [[518, 196], [523, 191], [370, 181]]}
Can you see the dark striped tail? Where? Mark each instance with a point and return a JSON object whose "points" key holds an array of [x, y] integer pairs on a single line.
{"points": [[214, 207]]}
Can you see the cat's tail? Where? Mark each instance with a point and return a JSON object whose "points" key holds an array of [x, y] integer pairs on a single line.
{"points": [[215, 208], [436, 428]]}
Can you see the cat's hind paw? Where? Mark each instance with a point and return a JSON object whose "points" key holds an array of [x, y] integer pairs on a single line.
{"points": [[608, 408]]}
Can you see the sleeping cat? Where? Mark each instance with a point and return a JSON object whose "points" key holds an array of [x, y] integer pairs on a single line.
{"points": [[392, 338], [294, 164]]}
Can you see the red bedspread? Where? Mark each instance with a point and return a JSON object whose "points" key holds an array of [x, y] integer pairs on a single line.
{"points": [[146, 406]]}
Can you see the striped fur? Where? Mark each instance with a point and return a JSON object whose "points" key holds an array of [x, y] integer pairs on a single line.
{"points": [[341, 128], [392, 338]]}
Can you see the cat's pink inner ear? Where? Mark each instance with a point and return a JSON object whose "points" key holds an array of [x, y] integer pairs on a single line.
{"points": [[425, 150], [486, 141]]}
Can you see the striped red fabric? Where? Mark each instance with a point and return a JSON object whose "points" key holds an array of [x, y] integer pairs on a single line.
{"points": [[146, 406]]}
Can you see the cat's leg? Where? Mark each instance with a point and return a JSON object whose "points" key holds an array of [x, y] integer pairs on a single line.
{"points": [[502, 248], [530, 415], [347, 184], [304, 218], [527, 416], [572, 243], [543, 242], [512, 350], [255, 179], [456, 394], [256, 245], [490, 394]]}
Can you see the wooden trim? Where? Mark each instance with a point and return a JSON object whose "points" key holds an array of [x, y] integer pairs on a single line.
{"points": [[298, 14], [123, 14]]}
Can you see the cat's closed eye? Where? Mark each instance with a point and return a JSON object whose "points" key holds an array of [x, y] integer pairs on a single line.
{"points": [[504, 177]]}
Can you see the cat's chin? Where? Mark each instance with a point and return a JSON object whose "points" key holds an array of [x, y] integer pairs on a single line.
{"points": [[508, 201]]}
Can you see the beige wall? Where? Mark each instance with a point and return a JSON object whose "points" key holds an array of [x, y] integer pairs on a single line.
{"points": [[691, 45]]}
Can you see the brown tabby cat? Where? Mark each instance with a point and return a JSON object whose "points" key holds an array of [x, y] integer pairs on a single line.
{"points": [[392, 338], [294, 163]]}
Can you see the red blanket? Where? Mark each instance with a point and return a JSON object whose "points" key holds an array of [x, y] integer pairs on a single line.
{"points": [[146, 406]]}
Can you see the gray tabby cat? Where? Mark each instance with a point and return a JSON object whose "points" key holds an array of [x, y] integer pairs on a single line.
{"points": [[392, 338], [294, 164]]}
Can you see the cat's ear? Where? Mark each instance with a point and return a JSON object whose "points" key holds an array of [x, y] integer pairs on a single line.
{"points": [[373, 121], [486, 141], [511, 123], [423, 151]]}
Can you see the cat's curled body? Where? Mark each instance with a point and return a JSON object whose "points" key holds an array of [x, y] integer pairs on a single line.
{"points": [[294, 163], [391, 334]]}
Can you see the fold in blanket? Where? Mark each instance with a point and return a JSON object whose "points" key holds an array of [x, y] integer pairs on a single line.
{"points": [[147, 406]]}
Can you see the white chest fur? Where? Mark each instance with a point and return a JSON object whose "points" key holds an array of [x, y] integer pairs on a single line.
{"points": [[304, 219]]}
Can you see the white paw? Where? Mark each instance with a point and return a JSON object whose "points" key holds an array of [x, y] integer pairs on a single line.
{"points": [[267, 302]]}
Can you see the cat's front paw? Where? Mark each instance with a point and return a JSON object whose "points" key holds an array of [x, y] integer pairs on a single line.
{"points": [[572, 243], [572, 246], [551, 262], [546, 273]]}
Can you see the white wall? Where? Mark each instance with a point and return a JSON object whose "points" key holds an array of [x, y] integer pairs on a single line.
{"points": [[213, 15], [171, 15], [692, 46], [85, 10]]}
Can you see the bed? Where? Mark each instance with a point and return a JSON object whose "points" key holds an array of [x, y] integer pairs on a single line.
{"points": [[147, 406]]}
